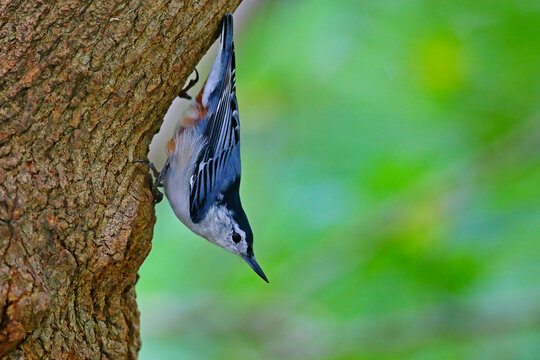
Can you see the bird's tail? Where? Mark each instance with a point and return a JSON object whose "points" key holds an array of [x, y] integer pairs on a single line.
{"points": [[227, 33], [223, 67]]}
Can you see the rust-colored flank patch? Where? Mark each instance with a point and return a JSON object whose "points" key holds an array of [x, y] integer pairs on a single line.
{"points": [[171, 145]]}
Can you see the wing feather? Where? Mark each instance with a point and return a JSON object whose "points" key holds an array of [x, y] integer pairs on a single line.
{"points": [[218, 165]]}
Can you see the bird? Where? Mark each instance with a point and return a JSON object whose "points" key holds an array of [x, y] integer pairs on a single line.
{"points": [[201, 175]]}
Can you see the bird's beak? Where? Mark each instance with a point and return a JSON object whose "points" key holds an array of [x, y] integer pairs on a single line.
{"points": [[250, 259]]}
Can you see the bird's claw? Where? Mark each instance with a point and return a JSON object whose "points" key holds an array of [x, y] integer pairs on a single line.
{"points": [[158, 195], [183, 93]]}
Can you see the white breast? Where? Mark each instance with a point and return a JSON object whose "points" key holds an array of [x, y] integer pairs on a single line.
{"points": [[188, 144]]}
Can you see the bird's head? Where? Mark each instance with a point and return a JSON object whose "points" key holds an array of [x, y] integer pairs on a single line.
{"points": [[230, 229]]}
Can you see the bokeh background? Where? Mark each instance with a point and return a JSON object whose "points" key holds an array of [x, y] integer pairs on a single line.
{"points": [[391, 173]]}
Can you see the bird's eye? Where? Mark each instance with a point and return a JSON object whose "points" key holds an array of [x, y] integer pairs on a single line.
{"points": [[236, 237]]}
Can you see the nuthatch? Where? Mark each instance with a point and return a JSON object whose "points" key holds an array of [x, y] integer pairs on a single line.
{"points": [[201, 176]]}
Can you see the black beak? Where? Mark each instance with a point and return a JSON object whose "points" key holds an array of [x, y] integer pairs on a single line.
{"points": [[250, 259]]}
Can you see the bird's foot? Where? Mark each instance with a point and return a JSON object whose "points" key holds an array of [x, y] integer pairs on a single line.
{"points": [[158, 195], [183, 93]]}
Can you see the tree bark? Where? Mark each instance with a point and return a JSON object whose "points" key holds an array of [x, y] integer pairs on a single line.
{"points": [[84, 85]]}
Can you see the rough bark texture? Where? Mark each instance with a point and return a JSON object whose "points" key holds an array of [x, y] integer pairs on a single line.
{"points": [[84, 86]]}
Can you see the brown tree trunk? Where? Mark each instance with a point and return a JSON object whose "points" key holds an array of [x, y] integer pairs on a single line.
{"points": [[84, 86]]}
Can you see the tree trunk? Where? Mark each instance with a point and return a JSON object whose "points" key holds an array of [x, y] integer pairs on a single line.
{"points": [[84, 86]]}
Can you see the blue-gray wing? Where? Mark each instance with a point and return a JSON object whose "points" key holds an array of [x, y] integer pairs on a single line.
{"points": [[218, 165]]}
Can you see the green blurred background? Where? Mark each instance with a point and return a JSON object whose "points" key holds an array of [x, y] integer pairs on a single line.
{"points": [[391, 173]]}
